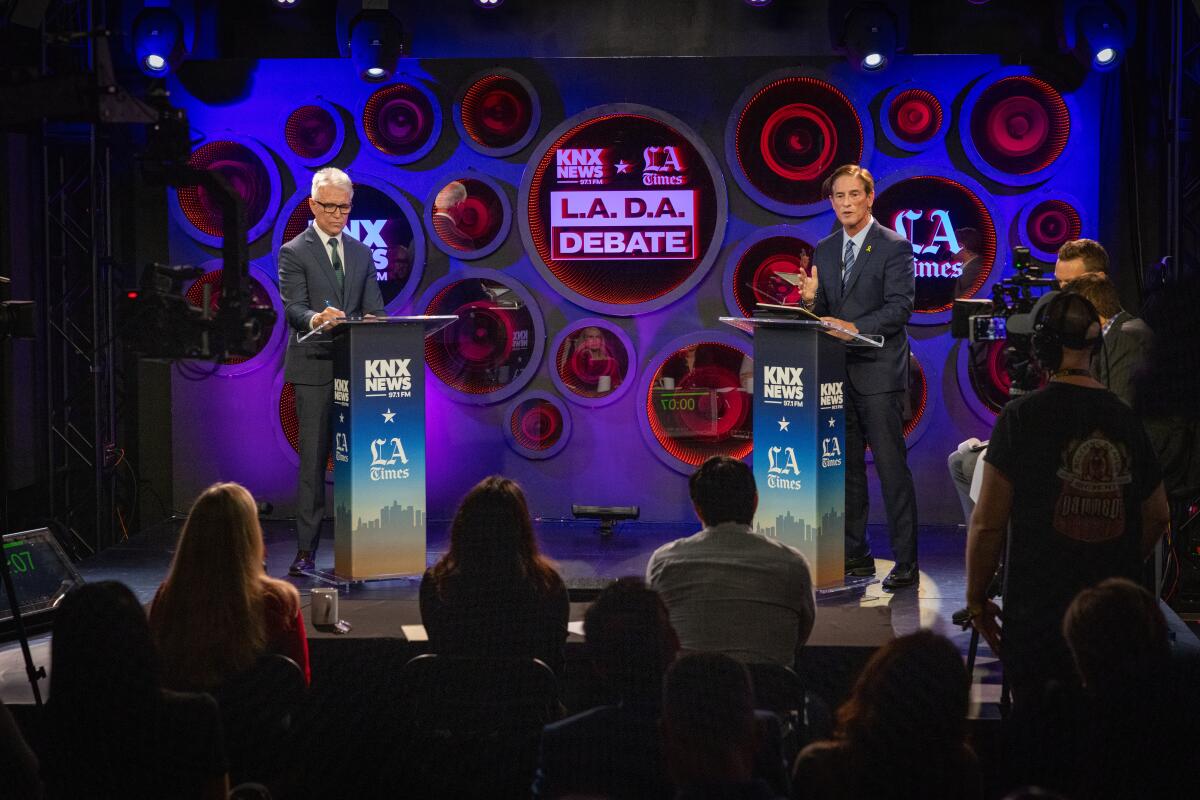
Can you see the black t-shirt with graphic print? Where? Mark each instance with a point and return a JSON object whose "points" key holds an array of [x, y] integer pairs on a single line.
{"points": [[1081, 465]]}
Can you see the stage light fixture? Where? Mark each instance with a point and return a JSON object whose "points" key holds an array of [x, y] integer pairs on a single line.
{"points": [[758, 3], [158, 41], [376, 44], [286, 3], [868, 35], [609, 516], [1096, 32], [489, 4]]}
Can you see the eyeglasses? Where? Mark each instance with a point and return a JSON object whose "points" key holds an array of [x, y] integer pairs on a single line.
{"points": [[334, 208]]}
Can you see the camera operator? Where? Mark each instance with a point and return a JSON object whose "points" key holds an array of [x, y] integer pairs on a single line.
{"points": [[1076, 258], [1071, 477]]}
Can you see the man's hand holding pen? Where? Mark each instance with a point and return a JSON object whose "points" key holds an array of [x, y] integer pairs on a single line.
{"points": [[330, 316]]}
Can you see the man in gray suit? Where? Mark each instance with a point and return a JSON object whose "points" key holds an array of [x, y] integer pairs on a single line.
{"points": [[1126, 338], [864, 282], [323, 276]]}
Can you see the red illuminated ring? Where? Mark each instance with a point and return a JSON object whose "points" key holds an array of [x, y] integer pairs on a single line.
{"points": [[539, 425], [402, 122], [483, 335], [683, 428], [250, 171], [724, 403], [1052, 223], [779, 262], [1014, 126], [314, 132], [497, 112], [796, 141], [916, 115]]}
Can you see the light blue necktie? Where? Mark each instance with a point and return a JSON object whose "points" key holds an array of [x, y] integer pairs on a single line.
{"points": [[847, 262]]}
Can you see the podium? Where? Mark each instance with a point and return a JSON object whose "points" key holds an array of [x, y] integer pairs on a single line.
{"points": [[379, 446], [800, 436]]}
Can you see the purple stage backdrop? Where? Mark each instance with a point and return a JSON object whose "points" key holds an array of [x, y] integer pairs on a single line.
{"points": [[590, 220]]}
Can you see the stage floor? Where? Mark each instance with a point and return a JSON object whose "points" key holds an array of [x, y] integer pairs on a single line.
{"points": [[864, 618]]}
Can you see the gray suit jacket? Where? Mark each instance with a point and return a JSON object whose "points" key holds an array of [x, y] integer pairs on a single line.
{"points": [[308, 285], [1125, 346], [878, 299]]}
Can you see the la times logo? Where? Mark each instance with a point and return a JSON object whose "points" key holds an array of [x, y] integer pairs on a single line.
{"points": [[387, 376], [831, 452], [782, 463], [831, 395], [783, 386], [385, 453], [663, 167]]}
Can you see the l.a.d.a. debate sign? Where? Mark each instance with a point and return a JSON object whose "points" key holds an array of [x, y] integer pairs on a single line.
{"points": [[623, 209]]}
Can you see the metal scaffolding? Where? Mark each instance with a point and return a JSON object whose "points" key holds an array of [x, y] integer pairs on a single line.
{"points": [[78, 295]]}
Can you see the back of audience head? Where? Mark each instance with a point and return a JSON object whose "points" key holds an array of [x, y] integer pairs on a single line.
{"points": [[723, 490], [492, 535], [912, 696], [1117, 635], [631, 639], [1099, 291], [102, 653], [708, 723], [208, 618]]}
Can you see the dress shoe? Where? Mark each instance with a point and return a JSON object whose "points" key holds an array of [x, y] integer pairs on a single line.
{"points": [[861, 567], [303, 563], [905, 573]]}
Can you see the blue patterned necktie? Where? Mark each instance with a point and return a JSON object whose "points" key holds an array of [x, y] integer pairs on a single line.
{"points": [[847, 262]]}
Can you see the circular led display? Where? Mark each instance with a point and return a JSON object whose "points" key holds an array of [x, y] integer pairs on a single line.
{"points": [[912, 118], [249, 170], [592, 362], [497, 113], [766, 268], [493, 350], [383, 220], [622, 209], [1015, 127], [289, 423], [1047, 223], [314, 132], [468, 217], [953, 238], [985, 375], [263, 295], [918, 397], [402, 122], [539, 425], [695, 400], [787, 133]]}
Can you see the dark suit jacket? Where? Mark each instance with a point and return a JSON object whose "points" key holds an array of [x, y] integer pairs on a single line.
{"points": [[306, 284], [1125, 346], [878, 299]]}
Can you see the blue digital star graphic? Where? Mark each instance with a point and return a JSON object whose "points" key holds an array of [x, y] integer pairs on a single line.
{"points": [[388, 415], [783, 423]]}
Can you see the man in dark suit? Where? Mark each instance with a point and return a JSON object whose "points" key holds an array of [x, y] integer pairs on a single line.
{"points": [[863, 282], [323, 276], [1126, 338]]}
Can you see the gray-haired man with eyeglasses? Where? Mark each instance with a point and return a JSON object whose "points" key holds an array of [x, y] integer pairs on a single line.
{"points": [[323, 276]]}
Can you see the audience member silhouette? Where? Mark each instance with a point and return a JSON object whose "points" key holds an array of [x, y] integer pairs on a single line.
{"points": [[902, 733], [709, 729], [1166, 388], [112, 730], [218, 611], [730, 589], [18, 762], [613, 750], [493, 594], [1135, 729]]}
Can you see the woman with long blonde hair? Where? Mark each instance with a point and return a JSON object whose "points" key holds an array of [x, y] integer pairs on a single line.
{"points": [[218, 610]]}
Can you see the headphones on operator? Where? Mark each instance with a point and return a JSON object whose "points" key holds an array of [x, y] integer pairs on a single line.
{"points": [[1049, 338]]}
